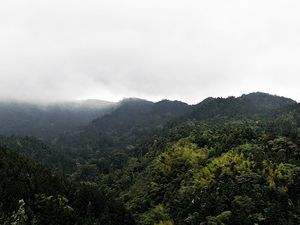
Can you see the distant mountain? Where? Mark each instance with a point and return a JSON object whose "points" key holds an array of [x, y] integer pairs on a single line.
{"points": [[246, 105], [47, 121], [133, 121]]}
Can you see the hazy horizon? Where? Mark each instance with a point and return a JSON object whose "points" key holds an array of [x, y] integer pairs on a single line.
{"points": [[66, 101]]}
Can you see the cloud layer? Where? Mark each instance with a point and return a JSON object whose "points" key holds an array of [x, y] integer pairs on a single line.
{"points": [[109, 49]]}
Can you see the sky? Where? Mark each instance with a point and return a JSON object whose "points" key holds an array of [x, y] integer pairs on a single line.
{"points": [[160, 49]]}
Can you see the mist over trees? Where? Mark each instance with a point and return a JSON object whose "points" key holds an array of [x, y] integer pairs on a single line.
{"points": [[49, 120]]}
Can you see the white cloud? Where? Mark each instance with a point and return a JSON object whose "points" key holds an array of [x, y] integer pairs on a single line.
{"points": [[187, 50]]}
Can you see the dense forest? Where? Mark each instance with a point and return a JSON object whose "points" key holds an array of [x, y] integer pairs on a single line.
{"points": [[232, 160]]}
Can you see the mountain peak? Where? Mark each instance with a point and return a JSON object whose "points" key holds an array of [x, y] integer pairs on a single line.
{"points": [[265, 98], [245, 105]]}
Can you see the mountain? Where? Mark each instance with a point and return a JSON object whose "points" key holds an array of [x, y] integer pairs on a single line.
{"points": [[228, 161], [135, 121], [131, 123], [231, 173], [47, 121], [233, 163], [246, 105]]}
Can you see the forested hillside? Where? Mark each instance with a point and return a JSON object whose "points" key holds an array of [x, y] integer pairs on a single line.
{"points": [[131, 124], [31, 194], [223, 161], [47, 121], [254, 104], [238, 172]]}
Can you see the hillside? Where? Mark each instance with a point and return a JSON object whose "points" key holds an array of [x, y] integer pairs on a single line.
{"points": [[238, 172], [48, 121], [244, 106], [132, 123], [31, 194], [211, 168], [226, 161]]}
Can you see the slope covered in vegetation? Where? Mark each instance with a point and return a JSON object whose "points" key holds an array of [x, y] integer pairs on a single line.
{"points": [[211, 166], [48, 121], [224, 161], [32, 194]]}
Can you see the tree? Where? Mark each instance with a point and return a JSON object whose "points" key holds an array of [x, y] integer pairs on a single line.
{"points": [[20, 217]]}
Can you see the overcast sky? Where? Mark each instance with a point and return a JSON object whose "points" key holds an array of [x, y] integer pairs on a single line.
{"points": [[154, 49]]}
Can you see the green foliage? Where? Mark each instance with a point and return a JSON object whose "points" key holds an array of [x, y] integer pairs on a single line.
{"points": [[32, 194], [239, 175], [168, 222], [155, 215], [19, 217], [53, 210]]}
